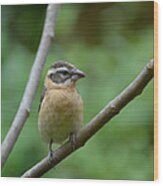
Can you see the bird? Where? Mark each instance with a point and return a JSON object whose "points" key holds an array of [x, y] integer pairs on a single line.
{"points": [[61, 106]]}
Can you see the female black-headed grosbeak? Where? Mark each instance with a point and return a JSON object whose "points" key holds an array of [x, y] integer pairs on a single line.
{"points": [[61, 107]]}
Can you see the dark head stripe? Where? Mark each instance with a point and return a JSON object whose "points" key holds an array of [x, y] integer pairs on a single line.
{"points": [[59, 64]]}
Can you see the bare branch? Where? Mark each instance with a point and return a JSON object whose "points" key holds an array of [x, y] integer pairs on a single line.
{"points": [[106, 114], [30, 91]]}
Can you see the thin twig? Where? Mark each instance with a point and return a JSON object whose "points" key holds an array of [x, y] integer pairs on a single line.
{"points": [[106, 114], [30, 91]]}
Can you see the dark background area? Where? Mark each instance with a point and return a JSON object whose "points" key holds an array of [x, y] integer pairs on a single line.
{"points": [[111, 43]]}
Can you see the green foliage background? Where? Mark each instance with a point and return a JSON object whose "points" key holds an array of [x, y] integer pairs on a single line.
{"points": [[111, 43]]}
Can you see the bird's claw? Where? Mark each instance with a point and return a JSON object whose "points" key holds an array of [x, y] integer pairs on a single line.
{"points": [[50, 156], [72, 140]]}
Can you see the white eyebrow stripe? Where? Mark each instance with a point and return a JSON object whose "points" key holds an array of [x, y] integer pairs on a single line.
{"points": [[61, 69], [54, 70]]}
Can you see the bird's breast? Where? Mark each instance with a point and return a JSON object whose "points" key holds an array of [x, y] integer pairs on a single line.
{"points": [[61, 113]]}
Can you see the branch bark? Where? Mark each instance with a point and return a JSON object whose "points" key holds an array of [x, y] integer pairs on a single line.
{"points": [[106, 114], [30, 91]]}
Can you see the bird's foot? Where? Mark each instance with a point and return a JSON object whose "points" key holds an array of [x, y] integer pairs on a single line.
{"points": [[50, 156], [72, 140]]}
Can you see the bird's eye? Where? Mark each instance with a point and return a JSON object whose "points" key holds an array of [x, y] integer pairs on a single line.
{"points": [[64, 72]]}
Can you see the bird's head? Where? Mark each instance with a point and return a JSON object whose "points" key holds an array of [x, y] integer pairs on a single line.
{"points": [[64, 73]]}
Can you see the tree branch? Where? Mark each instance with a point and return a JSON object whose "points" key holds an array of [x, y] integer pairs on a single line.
{"points": [[30, 91], [106, 114]]}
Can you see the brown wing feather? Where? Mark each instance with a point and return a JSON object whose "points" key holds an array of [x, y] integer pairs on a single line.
{"points": [[42, 97]]}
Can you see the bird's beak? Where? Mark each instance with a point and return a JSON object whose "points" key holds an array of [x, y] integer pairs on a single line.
{"points": [[77, 74]]}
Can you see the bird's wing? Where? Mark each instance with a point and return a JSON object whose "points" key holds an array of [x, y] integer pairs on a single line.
{"points": [[42, 97]]}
